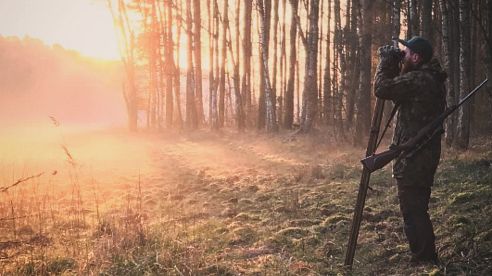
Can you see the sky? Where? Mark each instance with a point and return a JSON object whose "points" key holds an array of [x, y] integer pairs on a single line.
{"points": [[82, 25]]}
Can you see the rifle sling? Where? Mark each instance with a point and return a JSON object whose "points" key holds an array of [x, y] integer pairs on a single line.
{"points": [[393, 112], [437, 131]]}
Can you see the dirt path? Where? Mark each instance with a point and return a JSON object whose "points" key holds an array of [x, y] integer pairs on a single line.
{"points": [[226, 156]]}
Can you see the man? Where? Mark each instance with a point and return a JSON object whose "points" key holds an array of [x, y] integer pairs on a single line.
{"points": [[418, 90]]}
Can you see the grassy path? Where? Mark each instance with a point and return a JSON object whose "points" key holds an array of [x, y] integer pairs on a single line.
{"points": [[256, 205]]}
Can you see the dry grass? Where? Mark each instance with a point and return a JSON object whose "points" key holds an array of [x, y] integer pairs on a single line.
{"points": [[228, 205]]}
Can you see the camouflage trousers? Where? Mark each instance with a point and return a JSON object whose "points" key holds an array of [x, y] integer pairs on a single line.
{"points": [[414, 204]]}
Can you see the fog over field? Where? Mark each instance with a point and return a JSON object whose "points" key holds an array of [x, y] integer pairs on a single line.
{"points": [[38, 81]]}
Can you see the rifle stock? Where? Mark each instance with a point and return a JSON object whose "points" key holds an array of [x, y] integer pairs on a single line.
{"points": [[379, 160]]}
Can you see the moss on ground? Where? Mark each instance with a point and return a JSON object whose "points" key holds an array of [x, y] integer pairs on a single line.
{"points": [[289, 222]]}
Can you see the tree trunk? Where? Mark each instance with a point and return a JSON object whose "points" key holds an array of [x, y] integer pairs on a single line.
{"points": [[289, 93], [247, 53], [353, 64], [412, 18], [395, 20], [170, 67], [427, 19], [310, 93], [240, 122], [339, 80], [394, 31], [211, 76], [152, 67], [266, 7], [320, 63], [489, 51], [270, 116], [335, 65], [275, 54], [197, 43], [446, 57], [364, 98], [225, 23], [128, 41], [298, 87], [463, 133], [177, 77], [283, 67], [161, 42], [191, 115], [214, 114]]}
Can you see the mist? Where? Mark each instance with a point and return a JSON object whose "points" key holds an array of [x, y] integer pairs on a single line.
{"points": [[38, 81]]}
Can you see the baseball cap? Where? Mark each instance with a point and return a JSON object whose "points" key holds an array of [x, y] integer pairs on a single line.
{"points": [[418, 45]]}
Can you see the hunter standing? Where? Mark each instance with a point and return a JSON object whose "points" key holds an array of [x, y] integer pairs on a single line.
{"points": [[419, 92]]}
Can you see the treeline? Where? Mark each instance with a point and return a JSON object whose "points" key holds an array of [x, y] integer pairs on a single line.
{"points": [[37, 81], [270, 64]]}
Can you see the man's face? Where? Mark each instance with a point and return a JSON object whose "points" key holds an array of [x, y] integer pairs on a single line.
{"points": [[411, 61]]}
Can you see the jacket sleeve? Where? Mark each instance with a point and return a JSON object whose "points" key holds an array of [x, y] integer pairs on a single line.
{"points": [[398, 88]]}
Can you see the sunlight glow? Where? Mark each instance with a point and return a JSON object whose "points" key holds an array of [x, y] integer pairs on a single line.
{"points": [[82, 25]]}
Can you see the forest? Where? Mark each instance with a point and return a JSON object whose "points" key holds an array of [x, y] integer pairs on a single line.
{"points": [[228, 140], [291, 64]]}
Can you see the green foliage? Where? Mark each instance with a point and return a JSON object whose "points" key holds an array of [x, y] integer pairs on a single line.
{"points": [[271, 224], [60, 265], [57, 266], [464, 187]]}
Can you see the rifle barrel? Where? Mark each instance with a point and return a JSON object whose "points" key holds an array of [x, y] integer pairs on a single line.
{"points": [[364, 184], [467, 97]]}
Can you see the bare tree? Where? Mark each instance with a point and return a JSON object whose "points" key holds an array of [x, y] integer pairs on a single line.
{"points": [[127, 36], [289, 93], [447, 61], [275, 52], [191, 116], [427, 19], [488, 38], [463, 124], [247, 53], [197, 43], [177, 72], [412, 18], [265, 11], [283, 63], [214, 56], [270, 115], [364, 97], [240, 121], [339, 72], [310, 93], [211, 76], [223, 49], [353, 62]]}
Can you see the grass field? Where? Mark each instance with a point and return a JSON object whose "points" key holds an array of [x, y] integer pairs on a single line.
{"points": [[109, 203]]}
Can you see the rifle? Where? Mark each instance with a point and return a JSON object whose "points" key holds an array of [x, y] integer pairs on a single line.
{"points": [[379, 160], [373, 161], [364, 182]]}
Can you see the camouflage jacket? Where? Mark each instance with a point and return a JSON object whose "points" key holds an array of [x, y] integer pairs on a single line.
{"points": [[421, 96]]}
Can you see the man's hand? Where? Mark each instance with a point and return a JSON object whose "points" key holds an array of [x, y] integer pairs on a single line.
{"points": [[389, 60], [390, 52]]}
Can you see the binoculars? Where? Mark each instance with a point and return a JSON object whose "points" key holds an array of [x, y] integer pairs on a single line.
{"points": [[392, 52], [398, 53]]}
